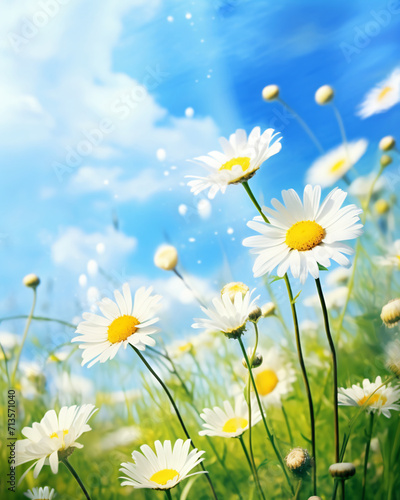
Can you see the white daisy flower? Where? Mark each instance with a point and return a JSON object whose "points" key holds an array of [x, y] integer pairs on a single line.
{"points": [[392, 258], [40, 493], [123, 323], [274, 378], [333, 165], [383, 97], [53, 437], [242, 156], [230, 422], [303, 235], [382, 401], [227, 316], [163, 469], [179, 348]]}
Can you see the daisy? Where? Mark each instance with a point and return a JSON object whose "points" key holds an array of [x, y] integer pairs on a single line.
{"points": [[303, 235], [53, 438], [163, 469], [392, 258], [229, 422], [227, 316], [242, 156], [332, 166], [361, 186], [40, 493], [274, 378], [381, 98], [383, 400], [123, 323]]}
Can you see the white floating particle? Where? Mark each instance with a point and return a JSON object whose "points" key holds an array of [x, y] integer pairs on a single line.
{"points": [[166, 173], [199, 262], [106, 182], [161, 154], [202, 40], [188, 15], [192, 240], [189, 112], [92, 267], [208, 76], [82, 280], [204, 208], [174, 167], [229, 230], [93, 294], [170, 19], [100, 248], [182, 209]]}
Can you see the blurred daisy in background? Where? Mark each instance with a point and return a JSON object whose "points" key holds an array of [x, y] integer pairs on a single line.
{"points": [[8, 341], [334, 299], [123, 323], [302, 235], [392, 257], [121, 437], [274, 378], [229, 421], [384, 96], [54, 435], [242, 156], [361, 186], [228, 316], [163, 469], [333, 165], [40, 493], [382, 401], [339, 276]]}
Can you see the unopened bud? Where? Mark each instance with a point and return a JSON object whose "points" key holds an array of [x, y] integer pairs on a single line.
{"points": [[268, 309], [385, 160], [390, 314], [298, 461], [324, 95], [387, 143], [270, 92], [342, 470], [166, 257], [255, 314], [31, 280]]}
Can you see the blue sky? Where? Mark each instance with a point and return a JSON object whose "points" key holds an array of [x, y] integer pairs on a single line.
{"points": [[132, 68]]}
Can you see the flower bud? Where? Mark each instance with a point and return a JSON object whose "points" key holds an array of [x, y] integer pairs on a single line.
{"points": [[393, 357], [268, 309], [385, 160], [324, 95], [314, 497], [342, 470], [233, 288], [298, 461], [255, 314], [166, 257], [257, 361], [387, 143], [381, 206], [31, 280], [270, 92], [390, 314]]}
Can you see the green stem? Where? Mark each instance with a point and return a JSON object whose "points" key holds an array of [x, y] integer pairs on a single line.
{"points": [[252, 465], [75, 475], [296, 496], [334, 365], [188, 287], [24, 337], [269, 433], [168, 494], [367, 448], [246, 186], [288, 426], [306, 382], [171, 399], [304, 125], [38, 318]]}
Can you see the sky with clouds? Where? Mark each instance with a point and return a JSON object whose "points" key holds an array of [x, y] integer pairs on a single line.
{"points": [[103, 103]]}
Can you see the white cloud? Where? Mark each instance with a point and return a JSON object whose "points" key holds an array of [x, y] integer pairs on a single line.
{"points": [[102, 179], [74, 248]]}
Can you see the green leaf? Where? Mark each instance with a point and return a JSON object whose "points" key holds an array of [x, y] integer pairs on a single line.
{"points": [[322, 268], [305, 438], [297, 296], [275, 278]]}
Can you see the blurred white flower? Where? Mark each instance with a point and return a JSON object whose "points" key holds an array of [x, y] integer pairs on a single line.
{"points": [[333, 298], [361, 186], [384, 96], [339, 276], [121, 437], [40, 493], [333, 165], [392, 258], [382, 401]]}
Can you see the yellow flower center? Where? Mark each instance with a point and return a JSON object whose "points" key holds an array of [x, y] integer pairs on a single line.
{"points": [[185, 347], [376, 398], [337, 166], [122, 328], [384, 92], [304, 235], [266, 381], [235, 424], [243, 161], [164, 475]]}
